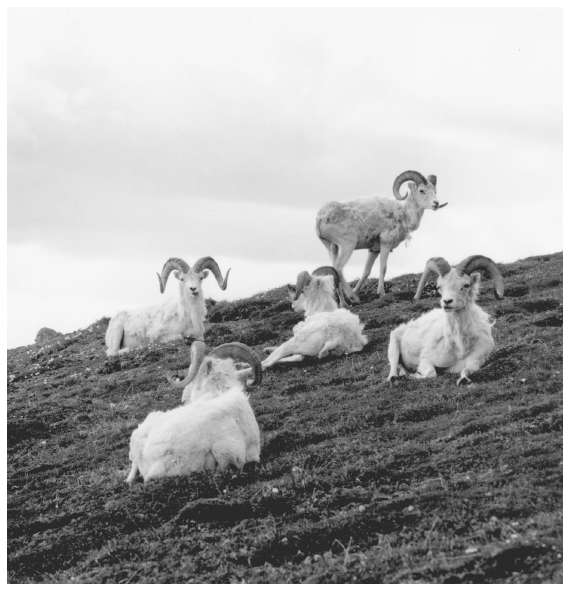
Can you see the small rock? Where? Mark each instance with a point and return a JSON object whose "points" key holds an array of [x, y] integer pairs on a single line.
{"points": [[46, 334]]}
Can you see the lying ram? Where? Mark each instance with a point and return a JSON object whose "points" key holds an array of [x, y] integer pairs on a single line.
{"points": [[215, 428], [455, 338], [379, 224], [172, 319], [326, 328]]}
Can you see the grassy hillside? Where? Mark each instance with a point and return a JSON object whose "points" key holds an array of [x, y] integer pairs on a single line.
{"points": [[358, 481]]}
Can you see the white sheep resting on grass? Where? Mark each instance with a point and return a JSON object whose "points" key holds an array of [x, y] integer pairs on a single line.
{"points": [[215, 428], [379, 224], [172, 319], [326, 328], [455, 338]]}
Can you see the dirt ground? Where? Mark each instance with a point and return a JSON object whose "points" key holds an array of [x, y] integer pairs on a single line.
{"points": [[357, 482]]}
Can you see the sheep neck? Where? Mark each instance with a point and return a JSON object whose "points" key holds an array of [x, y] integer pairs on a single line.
{"points": [[192, 309], [413, 213], [459, 330]]}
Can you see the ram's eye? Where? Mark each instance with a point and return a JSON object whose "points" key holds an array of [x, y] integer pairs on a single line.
{"points": [[466, 285], [422, 191]]}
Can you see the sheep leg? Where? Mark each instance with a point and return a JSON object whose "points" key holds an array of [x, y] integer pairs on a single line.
{"points": [[327, 348], [342, 301], [425, 370], [269, 349], [372, 256], [285, 350], [384, 252], [115, 332], [394, 353], [344, 252], [132, 474], [291, 359], [473, 361], [335, 254]]}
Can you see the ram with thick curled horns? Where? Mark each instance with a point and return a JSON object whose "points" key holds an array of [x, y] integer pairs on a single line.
{"points": [[454, 338], [379, 224], [214, 428], [173, 319]]}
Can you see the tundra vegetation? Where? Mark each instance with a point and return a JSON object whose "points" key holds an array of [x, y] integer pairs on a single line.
{"points": [[357, 481]]}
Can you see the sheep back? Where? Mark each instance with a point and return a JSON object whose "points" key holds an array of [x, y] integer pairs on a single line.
{"points": [[202, 435], [341, 330]]}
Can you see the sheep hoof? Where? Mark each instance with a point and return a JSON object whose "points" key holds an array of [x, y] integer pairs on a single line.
{"points": [[392, 379], [463, 381]]}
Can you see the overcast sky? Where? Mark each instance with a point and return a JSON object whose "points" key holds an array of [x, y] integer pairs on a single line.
{"points": [[135, 135]]}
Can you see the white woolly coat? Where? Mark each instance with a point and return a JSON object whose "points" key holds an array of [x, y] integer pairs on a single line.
{"points": [[205, 434], [370, 220], [323, 333], [445, 340], [140, 327]]}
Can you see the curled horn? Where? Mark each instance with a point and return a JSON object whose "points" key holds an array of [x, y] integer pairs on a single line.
{"points": [[171, 265], [409, 175], [475, 262], [303, 279], [196, 358], [243, 353], [210, 263], [436, 265]]}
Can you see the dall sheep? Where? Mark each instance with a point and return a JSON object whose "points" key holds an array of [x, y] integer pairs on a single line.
{"points": [[455, 338], [379, 224], [326, 328], [172, 319], [215, 428]]}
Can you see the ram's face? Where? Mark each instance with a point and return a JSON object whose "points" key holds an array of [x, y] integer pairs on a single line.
{"points": [[457, 290], [191, 282], [297, 304], [426, 195]]}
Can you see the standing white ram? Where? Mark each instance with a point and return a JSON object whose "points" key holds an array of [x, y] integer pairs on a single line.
{"points": [[326, 328], [172, 319], [455, 338], [215, 428], [377, 223]]}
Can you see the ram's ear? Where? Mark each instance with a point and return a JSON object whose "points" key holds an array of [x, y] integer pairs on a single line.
{"points": [[177, 275], [207, 367], [475, 279], [291, 291], [205, 273]]}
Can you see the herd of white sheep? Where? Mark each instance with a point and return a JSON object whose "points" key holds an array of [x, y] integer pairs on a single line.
{"points": [[215, 426]]}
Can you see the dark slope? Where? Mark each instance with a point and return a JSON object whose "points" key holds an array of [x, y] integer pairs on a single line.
{"points": [[358, 482]]}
